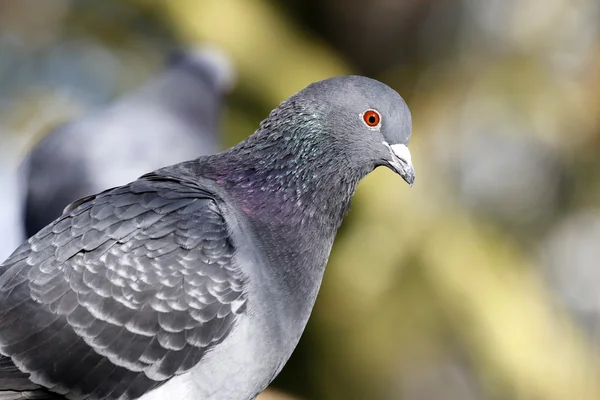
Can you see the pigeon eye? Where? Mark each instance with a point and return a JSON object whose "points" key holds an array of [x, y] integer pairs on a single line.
{"points": [[371, 118]]}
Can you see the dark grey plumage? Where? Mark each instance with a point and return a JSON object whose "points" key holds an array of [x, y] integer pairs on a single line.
{"points": [[197, 280], [137, 281], [171, 119]]}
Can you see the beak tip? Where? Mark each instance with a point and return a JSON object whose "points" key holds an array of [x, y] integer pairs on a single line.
{"points": [[401, 162], [409, 177]]}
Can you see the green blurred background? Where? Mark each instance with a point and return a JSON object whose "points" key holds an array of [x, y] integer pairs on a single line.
{"points": [[480, 282]]}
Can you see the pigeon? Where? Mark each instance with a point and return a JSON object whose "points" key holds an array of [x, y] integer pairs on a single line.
{"points": [[173, 118], [196, 281]]}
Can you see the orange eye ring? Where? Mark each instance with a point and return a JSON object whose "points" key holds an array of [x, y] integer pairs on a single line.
{"points": [[371, 118]]}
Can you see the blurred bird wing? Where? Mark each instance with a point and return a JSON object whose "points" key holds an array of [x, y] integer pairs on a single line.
{"points": [[127, 289]]}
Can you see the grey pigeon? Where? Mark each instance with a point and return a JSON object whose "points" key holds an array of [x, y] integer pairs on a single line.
{"points": [[174, 118], [196, 281]]}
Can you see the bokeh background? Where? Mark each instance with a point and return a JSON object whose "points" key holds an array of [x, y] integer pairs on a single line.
{"points": [[480, 282]]}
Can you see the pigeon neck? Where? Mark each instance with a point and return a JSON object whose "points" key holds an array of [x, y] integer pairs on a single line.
{"points": [[287, 175], [294, 181]]}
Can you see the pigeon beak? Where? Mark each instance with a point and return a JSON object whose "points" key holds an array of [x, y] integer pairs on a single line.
{"points": [[401, 162]]}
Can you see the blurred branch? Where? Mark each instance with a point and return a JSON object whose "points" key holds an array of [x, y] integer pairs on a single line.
{"points": [[271, 394], [505, 317], [273, 55], [495, 303]]}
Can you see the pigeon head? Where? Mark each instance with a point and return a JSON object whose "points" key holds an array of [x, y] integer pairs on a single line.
{"points": [[308, 156], [209, 64], [370, 117]]}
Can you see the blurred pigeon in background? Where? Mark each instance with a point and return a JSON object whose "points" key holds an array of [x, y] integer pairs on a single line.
{"points": [[196, 281], [10, 198], [173, 118]]}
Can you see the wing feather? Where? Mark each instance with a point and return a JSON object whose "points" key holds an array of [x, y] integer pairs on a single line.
{"points": [[125, 290]]}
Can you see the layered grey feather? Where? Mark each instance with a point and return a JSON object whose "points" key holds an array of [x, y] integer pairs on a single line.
{"points": [[128, 288]]}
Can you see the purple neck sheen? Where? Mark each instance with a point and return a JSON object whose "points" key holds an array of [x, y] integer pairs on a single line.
{"points": [[289, 171]]}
